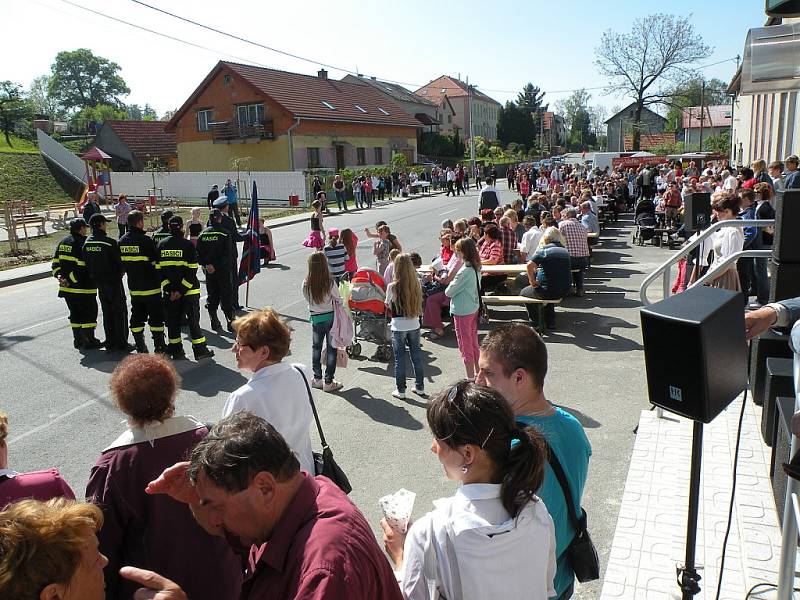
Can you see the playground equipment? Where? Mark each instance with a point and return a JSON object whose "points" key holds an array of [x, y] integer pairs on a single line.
{"points": [[98, 174]]}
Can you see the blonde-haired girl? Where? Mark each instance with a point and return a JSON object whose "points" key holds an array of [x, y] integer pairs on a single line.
{"points": [[404, 300]]}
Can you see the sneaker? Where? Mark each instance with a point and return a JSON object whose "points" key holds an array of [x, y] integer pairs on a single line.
{"points": [[420, 393], [399, 395], [316, 383], [333, 386]]}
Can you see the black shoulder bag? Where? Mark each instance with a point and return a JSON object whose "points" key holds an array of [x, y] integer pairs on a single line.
{"points": [[581, 552], [324, 463]]}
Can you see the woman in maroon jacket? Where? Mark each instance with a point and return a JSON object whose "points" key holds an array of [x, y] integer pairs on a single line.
{"points": [[37, 485], [155, 532]]}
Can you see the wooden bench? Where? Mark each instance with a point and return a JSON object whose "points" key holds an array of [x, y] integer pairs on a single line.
{"points": [[57, 213], [23, 221], [540, 303]]}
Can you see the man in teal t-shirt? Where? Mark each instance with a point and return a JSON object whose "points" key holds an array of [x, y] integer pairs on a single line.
{"points": [[513, 360]]}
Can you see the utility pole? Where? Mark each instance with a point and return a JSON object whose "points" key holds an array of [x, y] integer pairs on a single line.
{"points": [[702, 111], [733, 103], [471, 130]]}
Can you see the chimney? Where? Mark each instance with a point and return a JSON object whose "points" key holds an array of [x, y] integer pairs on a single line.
{"points": [[322, 74]]}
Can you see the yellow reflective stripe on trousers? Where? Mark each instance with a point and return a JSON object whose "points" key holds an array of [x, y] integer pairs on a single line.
{"points": [[89, 325], [75, 325], [201, 340], [76, 290], [145, 292], [174, 340], [137, 329], [156, 329], [192, 292]]}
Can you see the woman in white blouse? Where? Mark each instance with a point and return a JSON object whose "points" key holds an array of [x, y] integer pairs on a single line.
{"points": [[494, 538], [726, 242]]}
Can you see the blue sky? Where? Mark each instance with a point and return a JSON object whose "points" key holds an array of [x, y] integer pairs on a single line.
{"points": [[500, 45]]}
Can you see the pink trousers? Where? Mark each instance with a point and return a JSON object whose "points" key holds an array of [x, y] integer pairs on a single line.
{"points": [[466, 327], [433, 310]]}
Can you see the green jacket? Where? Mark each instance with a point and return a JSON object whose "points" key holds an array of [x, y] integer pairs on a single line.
{"points": [[463, 292]]}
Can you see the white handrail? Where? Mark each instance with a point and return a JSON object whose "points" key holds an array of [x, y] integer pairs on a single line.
{"points": [[665, 268], [720, 268]]}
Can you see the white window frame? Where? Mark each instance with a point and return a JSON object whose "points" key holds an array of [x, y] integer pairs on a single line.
{"points": [[251, 112], [204, 119]]}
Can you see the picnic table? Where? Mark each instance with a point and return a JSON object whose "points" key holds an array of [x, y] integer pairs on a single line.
{"points": [[421, 184]]}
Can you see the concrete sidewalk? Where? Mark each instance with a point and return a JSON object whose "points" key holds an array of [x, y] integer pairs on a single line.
{"points": [[42, 270], [649, 540]]}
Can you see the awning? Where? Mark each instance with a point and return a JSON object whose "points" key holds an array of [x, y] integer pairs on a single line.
{"points": [[425, 119], [770, 60]]}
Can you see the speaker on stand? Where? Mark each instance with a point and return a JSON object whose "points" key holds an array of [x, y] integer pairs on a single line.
{"points": [[785, 280], [696, 361], [697, 211]]}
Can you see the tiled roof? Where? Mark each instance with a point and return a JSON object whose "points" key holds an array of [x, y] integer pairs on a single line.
{"points": [[393, 90], [95, 153], [452, 87], [713, 116], [312, 97], [145, 137]]}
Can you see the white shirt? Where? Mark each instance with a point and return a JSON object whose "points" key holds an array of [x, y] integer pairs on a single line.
{"points": [[530, 241], [497, 556], [451, 176], [400, 323], [277, 393], [730, 183], [726, 241]]}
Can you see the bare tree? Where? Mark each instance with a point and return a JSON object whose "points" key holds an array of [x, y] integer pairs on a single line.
{"points": [[658, 52]]}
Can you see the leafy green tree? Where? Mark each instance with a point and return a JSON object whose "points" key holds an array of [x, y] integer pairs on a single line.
{"points": [[569, 107], [149, 113], [98, 115], [718, 143], [134, 112], [82, 80], [646, 62], [581, 136], [42, 101], [14, 109], [399, 160]]}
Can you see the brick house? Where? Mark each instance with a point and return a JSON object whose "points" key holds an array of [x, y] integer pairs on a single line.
{"points": [[484, 109], [287, 121], [132, 144]]}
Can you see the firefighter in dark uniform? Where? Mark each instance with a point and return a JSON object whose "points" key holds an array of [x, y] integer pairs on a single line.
{"points": [[76, 286], [159, 235], [138, 252], [103, 260], [214, 253], [229, 225], [177, 267]]}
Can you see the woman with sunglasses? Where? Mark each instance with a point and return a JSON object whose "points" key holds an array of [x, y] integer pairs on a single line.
{"points": [[494, 538]]}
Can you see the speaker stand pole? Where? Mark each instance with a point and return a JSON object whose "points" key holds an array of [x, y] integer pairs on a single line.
{"points": [[687, 575]]}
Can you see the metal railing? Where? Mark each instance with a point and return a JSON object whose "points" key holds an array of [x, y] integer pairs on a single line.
{"points": [[234, 130], [665, 269]]}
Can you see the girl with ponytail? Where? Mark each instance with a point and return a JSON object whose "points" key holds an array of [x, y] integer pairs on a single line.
{"points": [[494, 538]]}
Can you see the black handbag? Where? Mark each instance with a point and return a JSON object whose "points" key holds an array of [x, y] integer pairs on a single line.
{"points": [[324, 463], [581, 552]]}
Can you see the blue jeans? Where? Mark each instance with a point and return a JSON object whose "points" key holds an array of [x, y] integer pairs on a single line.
{"points": [[399, 341], [322, 332]]}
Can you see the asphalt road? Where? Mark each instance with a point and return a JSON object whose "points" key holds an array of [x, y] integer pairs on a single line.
{"points": [[61, 414]]}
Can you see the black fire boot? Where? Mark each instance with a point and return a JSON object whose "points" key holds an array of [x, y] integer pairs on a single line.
{"points": [[201, 351], [138, 339], [78, 339], [159, 346], [176, 352], [91, 342], [229, 319], [215, 324]]}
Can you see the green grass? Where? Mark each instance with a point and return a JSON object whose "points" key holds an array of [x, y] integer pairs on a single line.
{"points": [[25, 176], [18, 145]]}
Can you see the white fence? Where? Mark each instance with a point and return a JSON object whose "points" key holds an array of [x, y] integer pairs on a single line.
{"points": [[274, 186]]}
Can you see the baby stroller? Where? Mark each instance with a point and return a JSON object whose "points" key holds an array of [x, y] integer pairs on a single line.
{"points": [[367, 307], [645, 219]]}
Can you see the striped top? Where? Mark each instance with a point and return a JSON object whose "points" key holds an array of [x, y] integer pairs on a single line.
{"points": [[337, 256]]}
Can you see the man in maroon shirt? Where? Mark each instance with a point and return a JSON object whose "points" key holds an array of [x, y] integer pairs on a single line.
{"points": [[307, 540]]}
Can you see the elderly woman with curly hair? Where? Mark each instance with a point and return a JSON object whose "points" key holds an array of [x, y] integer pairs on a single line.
{"points": [[154, 532]]}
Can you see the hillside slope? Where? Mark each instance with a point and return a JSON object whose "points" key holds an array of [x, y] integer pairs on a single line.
{"points": [[25, 176]]}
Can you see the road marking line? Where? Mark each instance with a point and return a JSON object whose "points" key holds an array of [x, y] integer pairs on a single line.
{"points": [[32, 327], [448, 212], [52, 422]]}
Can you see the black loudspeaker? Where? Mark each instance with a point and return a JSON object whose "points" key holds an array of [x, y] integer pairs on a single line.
{"points": [[697, 210], [769, 344], [695, 352], [786, 244], [779, 383], [785, 280]]}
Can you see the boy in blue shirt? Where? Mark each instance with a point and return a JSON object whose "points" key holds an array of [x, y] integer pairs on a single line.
{"points": [[513, 360]]}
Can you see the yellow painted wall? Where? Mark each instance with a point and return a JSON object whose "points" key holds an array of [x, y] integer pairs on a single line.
{"points": [[325, 141], [267, 155]]}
